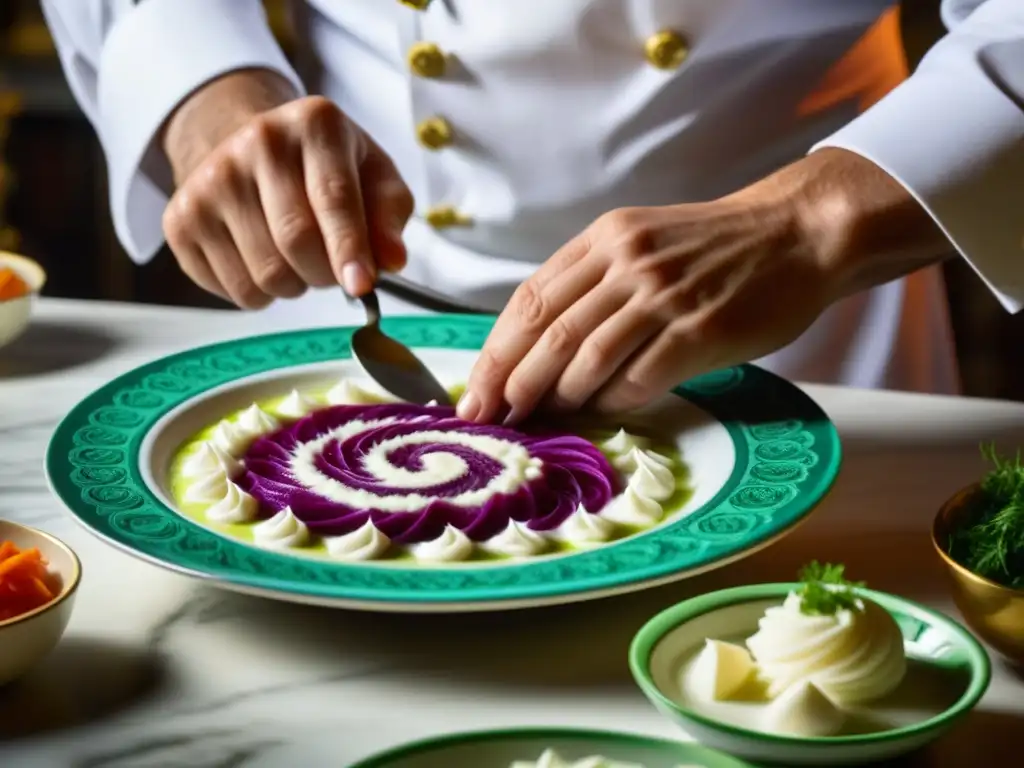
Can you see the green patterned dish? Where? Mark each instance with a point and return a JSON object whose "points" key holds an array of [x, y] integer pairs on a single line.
{"points": [[761, 455], [948, 672], [499, 749]]}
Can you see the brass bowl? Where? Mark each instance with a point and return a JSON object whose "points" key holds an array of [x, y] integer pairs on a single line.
{"points": [[994, 612]]}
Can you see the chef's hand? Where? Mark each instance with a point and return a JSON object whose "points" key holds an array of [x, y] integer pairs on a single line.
{"points": [[276, 194], [646, 298]]}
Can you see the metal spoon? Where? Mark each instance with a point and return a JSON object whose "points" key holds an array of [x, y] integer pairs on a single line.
{"points": [[392, 364]]}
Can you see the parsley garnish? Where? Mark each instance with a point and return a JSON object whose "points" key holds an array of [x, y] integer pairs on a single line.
{"points": [[825, 590], [991, 542]]}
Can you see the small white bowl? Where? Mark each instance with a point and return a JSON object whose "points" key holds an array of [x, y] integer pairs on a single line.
{"points": [[25, 640], [15, 313]]}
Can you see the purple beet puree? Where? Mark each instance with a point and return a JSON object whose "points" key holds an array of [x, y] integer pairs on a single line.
{"points": [[574, 472]]}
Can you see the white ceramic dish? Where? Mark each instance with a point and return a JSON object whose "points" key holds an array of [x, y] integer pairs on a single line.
{"points": [[16, 313], [25, 640]]}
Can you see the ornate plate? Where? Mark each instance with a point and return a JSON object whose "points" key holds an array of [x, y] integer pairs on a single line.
{"points": [[761, 455], [484, 749]]}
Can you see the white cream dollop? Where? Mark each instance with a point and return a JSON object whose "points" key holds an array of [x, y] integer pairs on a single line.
{"points": [[237, 506], [632, 508], [347, 393], [207, 489], [209, 458], [517, 540], [623, 442], [281, 531], [720, 670], [534, 468], [365, 543], [582, 528], [853, 657], [295, 406], [231, 438], [255, 422], [640, 457], [651, 479], [803, 710], [551, 759], [450, 546]]}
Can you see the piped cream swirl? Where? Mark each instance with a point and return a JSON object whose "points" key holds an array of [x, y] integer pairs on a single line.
{"points": [[551, 759], [347, 393], [853, 657], [365, 543], [281, 531], [517, 540], [451, 545], [255, 422], [295, 406], [584, 529], [235, 507], [211, 458]]}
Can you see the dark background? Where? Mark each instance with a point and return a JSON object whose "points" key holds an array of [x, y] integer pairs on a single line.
{"points": [[53, 200]]}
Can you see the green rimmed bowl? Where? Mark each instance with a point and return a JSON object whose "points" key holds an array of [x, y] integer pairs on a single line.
{"points": [[936, 643], [499, 749]]}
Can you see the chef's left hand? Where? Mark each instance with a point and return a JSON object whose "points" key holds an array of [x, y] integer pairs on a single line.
{"points": [[646, 298]]}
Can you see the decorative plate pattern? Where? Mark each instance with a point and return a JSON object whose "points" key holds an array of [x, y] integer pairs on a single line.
{"points": [[787, 456]]}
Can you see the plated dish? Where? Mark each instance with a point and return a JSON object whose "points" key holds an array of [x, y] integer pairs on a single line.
{"points": [[550, 748], [156, 462], [820, 672]]}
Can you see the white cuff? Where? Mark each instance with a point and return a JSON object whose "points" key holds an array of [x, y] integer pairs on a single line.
{"points": [[953, 139], [152, 60]]}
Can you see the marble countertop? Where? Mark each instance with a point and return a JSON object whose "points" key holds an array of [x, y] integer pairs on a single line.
{"points": [[159, 670]]}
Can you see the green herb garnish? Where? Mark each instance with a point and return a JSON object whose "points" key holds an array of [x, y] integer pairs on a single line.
{"points": [[825, 590], [991, 541]]}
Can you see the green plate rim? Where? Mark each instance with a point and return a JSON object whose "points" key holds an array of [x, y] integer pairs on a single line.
{"points": [[787, 458], [381, 759], [651, 633]]}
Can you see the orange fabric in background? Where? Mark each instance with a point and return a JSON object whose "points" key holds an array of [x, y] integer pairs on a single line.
{"points": [[870, 69]]}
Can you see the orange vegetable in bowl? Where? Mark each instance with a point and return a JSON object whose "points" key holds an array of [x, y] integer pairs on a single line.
{"points": [[12, 286], [25, 581]]}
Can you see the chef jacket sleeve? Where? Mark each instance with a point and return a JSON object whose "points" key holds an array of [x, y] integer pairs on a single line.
{"points": [[129, 64], [953, 135]]}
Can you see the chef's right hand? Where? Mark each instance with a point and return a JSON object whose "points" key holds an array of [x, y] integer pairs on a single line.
{"points": [[276, 194]]}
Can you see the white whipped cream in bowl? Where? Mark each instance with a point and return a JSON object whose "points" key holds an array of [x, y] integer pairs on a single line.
{"points": [[821, 672]]}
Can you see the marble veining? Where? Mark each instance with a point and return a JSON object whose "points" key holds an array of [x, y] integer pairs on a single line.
{"points": [[158, 671]]}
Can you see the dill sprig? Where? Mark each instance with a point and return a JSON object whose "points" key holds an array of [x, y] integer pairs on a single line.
{"points": [[991, 542], [825, 590]]}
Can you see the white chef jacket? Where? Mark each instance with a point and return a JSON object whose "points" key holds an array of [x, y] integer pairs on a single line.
{"points": [[557, 116]]}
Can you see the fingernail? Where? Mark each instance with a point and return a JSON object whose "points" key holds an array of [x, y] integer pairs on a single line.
{"points": [[355, 279], [514, 416], [468, 407]]}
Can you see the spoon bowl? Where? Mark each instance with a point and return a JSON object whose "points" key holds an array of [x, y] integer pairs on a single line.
{"points": [[391, 364]]}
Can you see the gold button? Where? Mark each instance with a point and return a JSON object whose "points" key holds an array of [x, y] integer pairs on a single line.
{"points": [[434, 133], [666, 49], [419, 5], [426, 60], [444, 216]]}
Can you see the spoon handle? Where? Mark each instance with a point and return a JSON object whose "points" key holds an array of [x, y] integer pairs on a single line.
{"points": [[372, 306]]}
